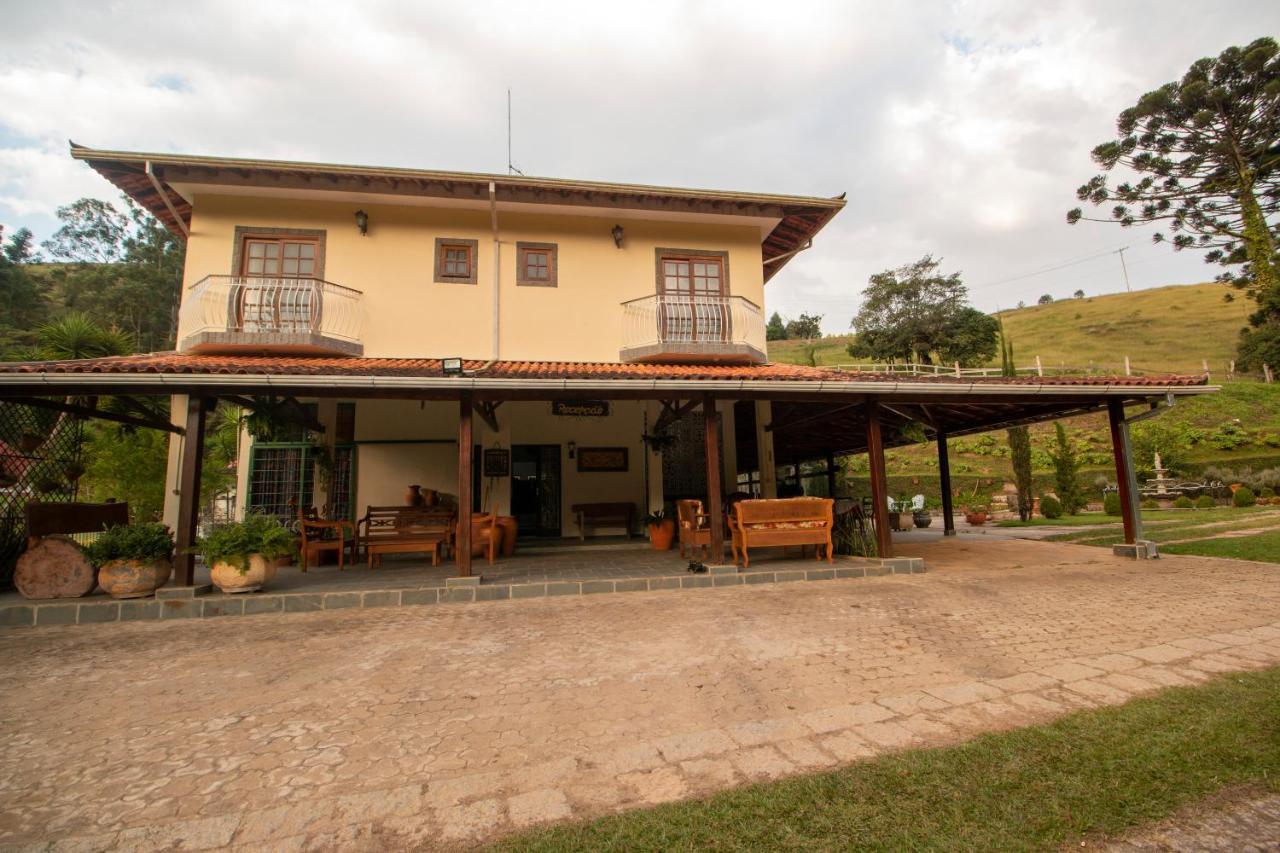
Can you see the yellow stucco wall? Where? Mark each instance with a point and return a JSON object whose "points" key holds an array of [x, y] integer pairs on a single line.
{"points": [[408, 314]]}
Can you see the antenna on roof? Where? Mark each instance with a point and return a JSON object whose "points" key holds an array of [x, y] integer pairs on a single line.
{"points": [[511, 169]]}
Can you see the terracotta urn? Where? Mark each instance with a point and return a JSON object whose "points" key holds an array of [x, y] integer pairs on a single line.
{"points": [[977, 519], [228, 578], [662, 534], [133, 578], [413, 497], [507, 524]]}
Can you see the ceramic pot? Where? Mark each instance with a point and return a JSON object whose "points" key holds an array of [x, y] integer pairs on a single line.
{"points": [[228, 578], [430, 497], [133, 578], [480, 534], [413, 497], [922, 519], [661, 534], [507, 524], [977, 519]]}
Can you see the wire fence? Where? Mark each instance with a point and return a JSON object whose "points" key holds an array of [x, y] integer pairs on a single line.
{"points": [[1227, 372]]}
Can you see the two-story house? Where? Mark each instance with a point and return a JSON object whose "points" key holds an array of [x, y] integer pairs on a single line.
{"points": [[522, 345]]}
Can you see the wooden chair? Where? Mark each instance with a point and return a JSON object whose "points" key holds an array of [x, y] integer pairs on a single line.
{"points": [[486, 536], [318, 537], [691, 523]]}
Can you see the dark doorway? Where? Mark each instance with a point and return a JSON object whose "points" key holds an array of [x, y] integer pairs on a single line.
{"points": [[535, 488]]}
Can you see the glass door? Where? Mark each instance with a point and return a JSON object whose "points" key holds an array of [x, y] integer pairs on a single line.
{"points": [[535, 489]]}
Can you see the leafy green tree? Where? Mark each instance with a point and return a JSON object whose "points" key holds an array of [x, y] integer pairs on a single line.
{"points": [[1045, 299], [17, 250], [1066, 470], [92, 232], [808, 327], [1019, 439], [22, 305], [1207, 150], [915, 312], [776, 329]]}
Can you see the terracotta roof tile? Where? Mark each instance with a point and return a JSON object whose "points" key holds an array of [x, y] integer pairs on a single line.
{"points": [[178, 363]]}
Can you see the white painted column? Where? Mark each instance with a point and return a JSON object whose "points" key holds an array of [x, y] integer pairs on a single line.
{"points": [[495, 494], [764, 450], [653, 460], [177, 416]]}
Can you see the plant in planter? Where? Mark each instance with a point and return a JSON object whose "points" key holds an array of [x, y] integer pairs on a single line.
{"points": [[133, 560], [242, 555], [922, 518], [977, 514], [662, 530]]}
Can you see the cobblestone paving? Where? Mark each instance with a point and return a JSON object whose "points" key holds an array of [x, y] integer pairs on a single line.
{"points": [[387, 729], [1251, 825]]}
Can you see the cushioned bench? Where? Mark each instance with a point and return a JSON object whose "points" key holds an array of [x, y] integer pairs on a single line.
{"points": [[780, 522]]}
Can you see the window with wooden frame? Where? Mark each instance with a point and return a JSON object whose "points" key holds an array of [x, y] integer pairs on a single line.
{"points": [[536, 264], [280, 272], [455, 260], [691, 287]]}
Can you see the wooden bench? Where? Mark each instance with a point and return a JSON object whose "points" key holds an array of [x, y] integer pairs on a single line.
{"points": [[599, 514], [405, 530], [781, 522]]}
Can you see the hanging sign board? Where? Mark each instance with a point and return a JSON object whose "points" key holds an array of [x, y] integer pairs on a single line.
{"points": [[580, 408]]}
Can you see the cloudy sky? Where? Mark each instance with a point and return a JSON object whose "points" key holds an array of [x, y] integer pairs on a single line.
{"points": [[957, 128]]}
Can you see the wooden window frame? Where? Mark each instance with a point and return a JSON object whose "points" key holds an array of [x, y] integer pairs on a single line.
{"points": [[244, 233], [551, 250], [664, 254], [472, 247], [668, 314]]}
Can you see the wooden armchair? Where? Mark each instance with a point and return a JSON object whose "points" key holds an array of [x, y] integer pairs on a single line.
{"points": [[486, 536], [691, 523], [319, 536]]}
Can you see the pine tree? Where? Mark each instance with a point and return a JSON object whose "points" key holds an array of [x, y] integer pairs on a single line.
{"points": [[1019, 438], [776, 330], [1065, 470]]}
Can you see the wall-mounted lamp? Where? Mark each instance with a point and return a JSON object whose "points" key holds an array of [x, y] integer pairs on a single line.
{"points": [[573, 449], [617, 236], [362, 222], [451, 366]]}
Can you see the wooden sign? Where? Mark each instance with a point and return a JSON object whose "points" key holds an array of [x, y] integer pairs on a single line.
{"points": [[580, 408], [497, 462], [602, 459]]}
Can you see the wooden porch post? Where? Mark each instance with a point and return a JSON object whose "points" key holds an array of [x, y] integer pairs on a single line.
{"points": [[465, 452], [879, 481], [184, 568], [715, 510], [764, 450], [1126, 481], [944, 477], [831, 474]]}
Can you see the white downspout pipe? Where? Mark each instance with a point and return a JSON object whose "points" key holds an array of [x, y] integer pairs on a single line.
{"points": [[497, 276]]}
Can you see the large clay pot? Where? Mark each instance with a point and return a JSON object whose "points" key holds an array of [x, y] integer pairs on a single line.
{"points": [[662, 534], [507, 524], [228, 578], [133, 578], [413, 497], [480, 534], [921, 519], [977, 519]]}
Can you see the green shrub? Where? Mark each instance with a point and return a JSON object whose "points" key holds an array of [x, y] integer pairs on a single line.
{"points": [[235, 542], [1183, 502], [146, 542], [1205, 502], [1244, 496], [1111, 503], [1050, 507], [1267, 492]]}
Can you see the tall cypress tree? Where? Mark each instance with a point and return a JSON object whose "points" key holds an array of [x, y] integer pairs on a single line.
{"points": [[1019, 438]]}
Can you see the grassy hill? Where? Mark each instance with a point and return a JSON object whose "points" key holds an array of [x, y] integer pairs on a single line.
{"points": [[1165, 329]]}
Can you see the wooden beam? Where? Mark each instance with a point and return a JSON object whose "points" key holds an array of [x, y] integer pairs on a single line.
{"points": [[465, 461], [944, 477], [184, 564], [715, 508], [98, 414], [488, 412], [1126, 481], [672, 411], [879, 482]]}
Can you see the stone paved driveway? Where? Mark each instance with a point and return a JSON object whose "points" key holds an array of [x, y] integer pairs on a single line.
{"points": [[436, 726]]}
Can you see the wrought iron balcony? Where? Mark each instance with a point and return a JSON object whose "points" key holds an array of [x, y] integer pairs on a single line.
{"points": [[677, 328], [230, 313]]}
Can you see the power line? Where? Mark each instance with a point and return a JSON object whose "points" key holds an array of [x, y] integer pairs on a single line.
{"points": [[1054, 268]]}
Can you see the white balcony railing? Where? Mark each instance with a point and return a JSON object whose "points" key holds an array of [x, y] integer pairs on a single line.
{"points": [[692, 328], [227, 312]]}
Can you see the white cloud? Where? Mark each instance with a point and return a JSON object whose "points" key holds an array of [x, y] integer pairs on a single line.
{"points": [[959, 128]]}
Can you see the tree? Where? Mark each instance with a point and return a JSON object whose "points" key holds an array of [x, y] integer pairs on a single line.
{"points": [[76, 335], [92, 232], [1046, 299], [776, 330], [809, 326], [915, 312], [22, 305], [18, 249], [1065, 472], [1079, 294], [1207, 148], [1019, 438]]}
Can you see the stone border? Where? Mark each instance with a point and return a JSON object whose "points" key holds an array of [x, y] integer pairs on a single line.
{"points": [[196, 602]]}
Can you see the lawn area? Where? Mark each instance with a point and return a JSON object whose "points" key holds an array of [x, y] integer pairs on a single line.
{"points": [[1264, 547], [1087, 519], [1088, 774], [1180, 517], [1174, 525]]}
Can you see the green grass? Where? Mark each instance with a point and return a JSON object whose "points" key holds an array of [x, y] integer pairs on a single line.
{"points": [[1180, 517], [1088, 519], [1088, 774], [1264, 547], [1172, 525]]}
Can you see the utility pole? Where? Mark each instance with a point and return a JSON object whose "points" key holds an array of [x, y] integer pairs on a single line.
{"points": [[1123, 267]]}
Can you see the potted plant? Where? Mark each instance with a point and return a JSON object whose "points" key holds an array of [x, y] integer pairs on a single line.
{"points": [[900, 518], [976, 515], [922, 518], [242, 555], [133, 560], [662, 530]]}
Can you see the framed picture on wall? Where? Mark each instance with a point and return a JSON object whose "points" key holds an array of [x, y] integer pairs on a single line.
{"points": [[497, 462], [602, 459]]}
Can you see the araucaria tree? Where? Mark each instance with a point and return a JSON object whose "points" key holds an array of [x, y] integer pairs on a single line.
{"points": [[1206, 150], [1065, 472], [917, 313]]}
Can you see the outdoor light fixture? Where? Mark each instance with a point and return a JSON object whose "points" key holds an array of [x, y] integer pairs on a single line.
{"points": [[451, 366], [362, 222], [573, 449], [617, 236]]}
